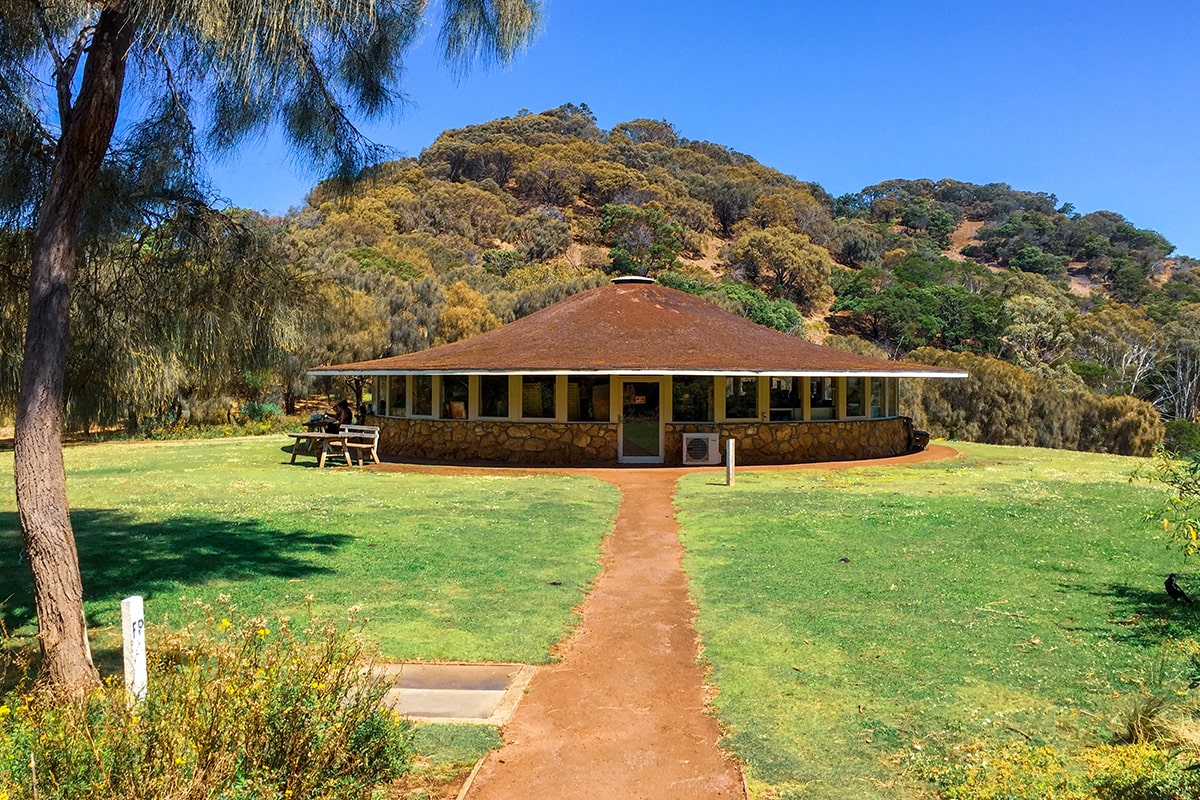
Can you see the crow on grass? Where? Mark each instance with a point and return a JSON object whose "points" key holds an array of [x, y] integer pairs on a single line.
{"points": [[1174, 592]]}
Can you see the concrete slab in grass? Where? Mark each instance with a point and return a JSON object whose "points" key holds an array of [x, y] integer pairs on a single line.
{"points": [[486, 694]]}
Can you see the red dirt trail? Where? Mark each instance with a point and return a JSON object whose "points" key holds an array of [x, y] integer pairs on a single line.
{"points": [[624, 713]]}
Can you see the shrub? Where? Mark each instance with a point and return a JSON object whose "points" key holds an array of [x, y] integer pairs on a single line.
{"points": [[1000, 403], [1182, 437], [1122, 424], [209, 411], [260, 412], [1180, 512], [233, 711], [1023, 771]]}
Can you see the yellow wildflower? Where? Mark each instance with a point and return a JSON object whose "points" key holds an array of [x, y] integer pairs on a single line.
{"points": [[225, 623], [264, 633]]}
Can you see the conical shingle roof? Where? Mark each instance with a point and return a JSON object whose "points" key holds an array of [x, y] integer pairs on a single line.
{"points": [[632, 328]]}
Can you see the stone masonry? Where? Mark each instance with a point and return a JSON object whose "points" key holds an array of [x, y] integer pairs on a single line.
{"points": [[586, 443]]}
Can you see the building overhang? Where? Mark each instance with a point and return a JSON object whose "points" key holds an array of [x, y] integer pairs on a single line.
{"points": [[733, 373]]}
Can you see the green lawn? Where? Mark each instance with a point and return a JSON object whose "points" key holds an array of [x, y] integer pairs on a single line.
{"points": [[856, 617], [852, 618], [445, 567]]}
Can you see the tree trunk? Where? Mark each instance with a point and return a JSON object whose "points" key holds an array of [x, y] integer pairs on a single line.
{"points": [[40, 475]]}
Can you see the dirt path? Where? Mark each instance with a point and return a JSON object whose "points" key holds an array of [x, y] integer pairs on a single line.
{"points": [[624, 713]]}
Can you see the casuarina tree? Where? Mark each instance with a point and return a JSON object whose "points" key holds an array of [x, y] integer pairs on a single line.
{"points": [[203, 74]]}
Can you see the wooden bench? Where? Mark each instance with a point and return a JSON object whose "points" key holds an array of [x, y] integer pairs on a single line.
{"points": [[363, 439]]}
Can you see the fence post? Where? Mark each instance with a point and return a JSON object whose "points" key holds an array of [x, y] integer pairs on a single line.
{"points": [[133, 632]]}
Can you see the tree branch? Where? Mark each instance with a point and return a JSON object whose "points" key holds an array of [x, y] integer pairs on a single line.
{"points": [[49, 139], [78, 47], [62, 79]]}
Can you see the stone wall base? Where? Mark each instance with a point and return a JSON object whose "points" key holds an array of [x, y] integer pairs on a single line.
{"points": [[800, 442], [587, 443]]}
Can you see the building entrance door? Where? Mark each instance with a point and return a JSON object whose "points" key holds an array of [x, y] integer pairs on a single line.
{"points": [[641, 434]]}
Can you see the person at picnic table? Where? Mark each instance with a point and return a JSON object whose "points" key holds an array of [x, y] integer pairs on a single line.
{"points": [[342, 415]]}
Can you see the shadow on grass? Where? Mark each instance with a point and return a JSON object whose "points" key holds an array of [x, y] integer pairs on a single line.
{"points": [[1141, 616], [119, 556]]}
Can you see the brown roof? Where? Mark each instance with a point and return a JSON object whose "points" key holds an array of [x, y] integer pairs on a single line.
{"points": [[636, 328]]}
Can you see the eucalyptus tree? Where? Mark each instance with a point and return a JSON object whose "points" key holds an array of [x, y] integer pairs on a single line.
{"points": [[233, 68]]}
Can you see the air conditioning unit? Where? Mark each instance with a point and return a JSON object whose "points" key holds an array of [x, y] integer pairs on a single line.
{"points": [[701, 448]]}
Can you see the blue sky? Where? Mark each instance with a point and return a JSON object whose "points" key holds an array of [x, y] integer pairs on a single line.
{"points": [[1097, 102]]}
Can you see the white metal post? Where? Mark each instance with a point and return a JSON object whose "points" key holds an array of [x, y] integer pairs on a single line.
{"points": [[729, 461]]}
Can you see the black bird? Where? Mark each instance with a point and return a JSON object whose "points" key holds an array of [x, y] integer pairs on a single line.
{"points": [[1174, 592]]}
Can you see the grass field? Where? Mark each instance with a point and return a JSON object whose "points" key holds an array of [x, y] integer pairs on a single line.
{"points": [[854, 618], [469, 567]]}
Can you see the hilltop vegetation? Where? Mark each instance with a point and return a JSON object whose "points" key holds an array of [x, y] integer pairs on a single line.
{"points": [[494, 221]]}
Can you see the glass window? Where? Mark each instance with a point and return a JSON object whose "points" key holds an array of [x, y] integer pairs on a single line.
{"points": [[493, 396], [692, 399], [537, 396], [854, 397], [893, 399], [422, 399], [787, 400], [741, 398], [877, 397], [455, 392], [587, 398], [822, 394], [396, 394]]}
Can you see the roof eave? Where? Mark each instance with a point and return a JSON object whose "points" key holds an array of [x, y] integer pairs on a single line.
{"points": [[769, 373]]}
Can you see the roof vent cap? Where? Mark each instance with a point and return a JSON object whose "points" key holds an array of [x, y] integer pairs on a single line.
{"points": [[624, 279]]}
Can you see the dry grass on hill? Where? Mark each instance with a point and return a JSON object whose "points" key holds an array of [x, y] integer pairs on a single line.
{"points": [[963, 235]]}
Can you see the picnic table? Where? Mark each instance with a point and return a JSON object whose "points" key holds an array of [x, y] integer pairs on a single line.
{"points": [[350, 438]]}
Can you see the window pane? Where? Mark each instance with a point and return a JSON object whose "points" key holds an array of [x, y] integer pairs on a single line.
{"points": [[397, 389], [537, 397], [822, 397], [493, 396], [787, 403], [587, 398], [422, 400], [741, 398], [454, 396], [854, 397], [876, 397], [692, 399], [893, 401]]}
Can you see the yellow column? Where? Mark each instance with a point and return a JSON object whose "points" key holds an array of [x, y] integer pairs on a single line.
{"points": [[560, 398], [472, 397]]}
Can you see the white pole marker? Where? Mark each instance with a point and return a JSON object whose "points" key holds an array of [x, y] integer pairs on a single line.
{"points": [[133, 630], [729, 461]]}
